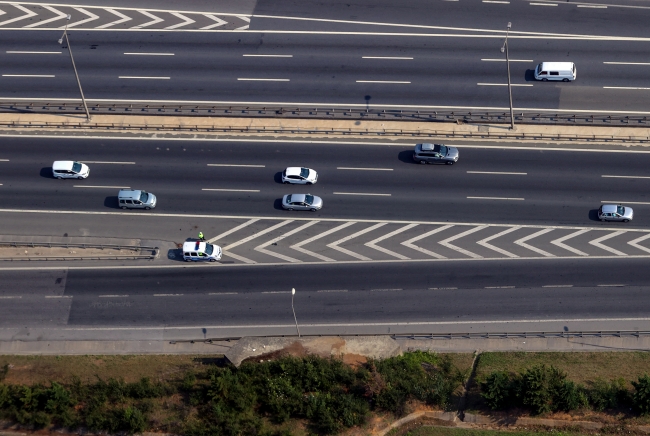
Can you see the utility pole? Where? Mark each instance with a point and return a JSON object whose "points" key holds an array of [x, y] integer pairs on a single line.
{"points": [[293, 292], [74, 67], [504, 47]]}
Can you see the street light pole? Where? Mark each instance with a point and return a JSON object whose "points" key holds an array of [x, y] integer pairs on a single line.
{"points": [[293, 292], [505, 47], [74, 67]]}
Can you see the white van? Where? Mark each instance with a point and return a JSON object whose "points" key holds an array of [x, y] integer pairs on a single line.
{"points": [[564, 71], [197, 251]]}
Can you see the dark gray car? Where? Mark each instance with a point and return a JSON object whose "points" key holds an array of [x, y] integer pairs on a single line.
{"points": [[435, 153], [302, 202]]}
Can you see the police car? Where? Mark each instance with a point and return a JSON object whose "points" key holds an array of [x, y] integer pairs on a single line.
{"points": [[197, 251]]}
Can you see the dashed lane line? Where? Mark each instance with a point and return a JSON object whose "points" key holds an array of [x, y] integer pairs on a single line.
{"points": [[168, 295], [266, 56], [32, 52], [230, 190], [502, 84], [9, 297], [627, 63], [557, 286], [31, 76], [112, 296], [222, 293], [442, 289], [498, 173], [405, 58], [333, 290], [364, 169], [386, 290], [237, 165], [145, 77], [110, 163], [624, 202], [58, 296], [101, 187], [361, 193], [149, 54], [611, 286], [503, 60], [252, 79], [496, 198], [499, 287], [396, 82], [624, 177]]}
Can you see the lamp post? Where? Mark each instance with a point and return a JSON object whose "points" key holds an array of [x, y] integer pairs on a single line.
{"points": [[293, 292], [504, 47], [74, 67]]}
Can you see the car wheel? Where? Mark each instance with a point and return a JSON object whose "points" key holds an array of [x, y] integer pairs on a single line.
{"points": [[59, 177], [285, 182], [312, 209], [626, 221], [309, 183], [451, 162], [565, 80], [290, 208], [213, 260], [603, 219], [423, 162], [124, 207], [79, 177], [188, 260], [147, 208], [544, 80]]}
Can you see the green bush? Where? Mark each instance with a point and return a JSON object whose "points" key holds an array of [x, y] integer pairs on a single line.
{"points": [[497, 390], [608, 395], [641, 396]]}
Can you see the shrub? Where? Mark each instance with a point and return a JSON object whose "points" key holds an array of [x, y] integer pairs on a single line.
{"points": [[133, 420], [608, 395], [540, 388], [498, 390], [641, 396]]}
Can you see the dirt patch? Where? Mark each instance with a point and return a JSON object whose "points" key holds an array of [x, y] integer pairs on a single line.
{"points": [[296, 349]]}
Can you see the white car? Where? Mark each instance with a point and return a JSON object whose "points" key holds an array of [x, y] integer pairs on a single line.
{"points": [[68, 169], [300, 176]]}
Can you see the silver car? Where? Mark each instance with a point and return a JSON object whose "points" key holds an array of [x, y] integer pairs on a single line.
{"points": [[302, 202], [435, 153], [613, 212], [298, 175]]}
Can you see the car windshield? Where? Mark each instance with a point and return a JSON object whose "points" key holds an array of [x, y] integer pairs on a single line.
{"points": [[309, 199], [143, 197], [209, 249], [620, 210], [76, 167], [443, 150], [304, 172], [288, 198]]}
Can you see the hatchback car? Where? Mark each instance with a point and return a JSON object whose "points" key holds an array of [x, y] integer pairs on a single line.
{"points": [[614, 212], [435, 153], [302, 202], [68, 169], [298, 175]]}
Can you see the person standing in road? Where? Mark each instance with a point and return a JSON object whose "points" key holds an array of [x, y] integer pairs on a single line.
{"points": [[201, 237]]}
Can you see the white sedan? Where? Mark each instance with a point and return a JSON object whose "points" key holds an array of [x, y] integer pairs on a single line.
{"points": [[299, 176], [68, 169]]}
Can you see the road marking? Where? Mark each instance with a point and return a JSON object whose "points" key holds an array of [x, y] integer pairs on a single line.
{"points": [[335, 245], [4, 160], [155, 20], [167, 295], [612, 286], [250, 238], [102, 187], [498, 172], [366, 169], [233, 230], [485, 242], [91, 17], [144, 77], [386, 290], [123, 19], [597, 243], [276, 292], [499, 287], [9, 297], [625, 87], [230, 190], [262, 80], [60, 15], [543, 4], [495, 198], [372, 244], [111, 296], [503, 60], [58, 296], [626, 202], [262, 248], [113, 163], [522, 243], [446, 242], [593, 6], [185, 21], [333, 290], [560, 242], [384, 81], [28, 14], [622, 63], [635, 243], [502, 84], [266, 56], [236, 165], [222, 293], [28, 75], [626, 177], [33, 52], [299, 245], [442, 289], [557, 286], [387, 57], [410, 242], [150, 54], [361, 193], [497, 1]]}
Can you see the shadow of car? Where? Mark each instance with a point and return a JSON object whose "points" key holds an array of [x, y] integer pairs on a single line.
{"points": [[111, 202], [277, 178], [47, 173], [593, 215], [406, 156]]}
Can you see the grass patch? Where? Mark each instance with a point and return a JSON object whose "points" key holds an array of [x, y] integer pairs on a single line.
{"points": [[447, 431]]}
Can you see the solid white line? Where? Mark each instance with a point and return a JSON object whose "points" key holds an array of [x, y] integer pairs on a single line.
{"points": [[364, 169], [386, 57], [543, 4], [33, 52], [231, 190], [613, 286], [144, 77], [557, 286], [101, 162], [593, 6], [235, 165], [101, 187], [626, 202], [626, 177], [495, 198], [383, 81], [263, 80], [503, 60], [28, 75], [167, 295], [333, 290], [625, 87], [627, 63], [150, 54], [499, 287], [496, 172], [361, 193], [502, 84], [9, 297], [112, 296], [266, 56]]}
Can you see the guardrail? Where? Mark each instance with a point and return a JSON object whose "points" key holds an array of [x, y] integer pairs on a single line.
{"points": [[431, 133], [153, 251], [369, 113]]}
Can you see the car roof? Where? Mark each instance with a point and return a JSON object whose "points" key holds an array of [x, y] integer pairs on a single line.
{"points": [[293, 171], [298, 197], [557, 66], [129, 193], [609, 208], [194, 246], [62, 165], [429, 147]]}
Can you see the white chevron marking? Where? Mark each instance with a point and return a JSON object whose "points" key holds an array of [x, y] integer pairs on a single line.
{"points": [[248, 20], [635, 243], [597, 243], [559, 242], [28, 14], [250, 238], [2, 12], [299, 245], [484, 242], [262, 248], [219, 22], [522, 242], [335, 245], [447, 241], [410, 242], [185, 22], [233, 230], [123, 19], [238, 257], [372, 244], [91, 16], [155, 20], [60, 15]]}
